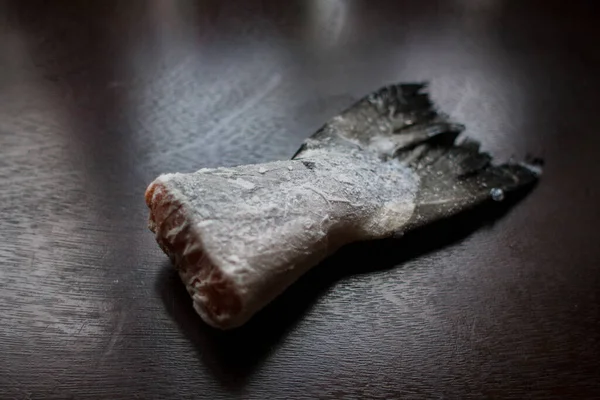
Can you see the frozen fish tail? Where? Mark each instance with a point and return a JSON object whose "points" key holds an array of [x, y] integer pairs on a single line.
{"points": [[239, 236]]}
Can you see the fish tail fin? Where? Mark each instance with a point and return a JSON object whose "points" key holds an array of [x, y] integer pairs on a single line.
{"points": [[457, 177], [401, 122]]}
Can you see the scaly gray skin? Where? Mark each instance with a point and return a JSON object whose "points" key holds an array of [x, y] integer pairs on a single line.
{"points": [[240, 236]]}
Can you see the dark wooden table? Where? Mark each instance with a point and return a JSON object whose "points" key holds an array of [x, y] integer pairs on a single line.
{"points": [[98, 98]]}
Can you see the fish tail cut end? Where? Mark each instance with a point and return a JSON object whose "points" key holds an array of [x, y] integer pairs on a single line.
{"points": [[214, 293]]}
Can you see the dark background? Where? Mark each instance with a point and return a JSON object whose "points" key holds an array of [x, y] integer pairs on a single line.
{"points": [[98, 98]]}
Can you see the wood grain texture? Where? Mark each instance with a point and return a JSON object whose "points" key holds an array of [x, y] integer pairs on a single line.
{"points": [[98, 98]]}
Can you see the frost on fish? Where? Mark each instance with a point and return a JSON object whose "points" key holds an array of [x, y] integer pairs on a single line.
{"points": [[240, 236]]}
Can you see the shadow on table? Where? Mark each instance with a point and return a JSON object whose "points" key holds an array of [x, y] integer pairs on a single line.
{"points": [[233, 356]]}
